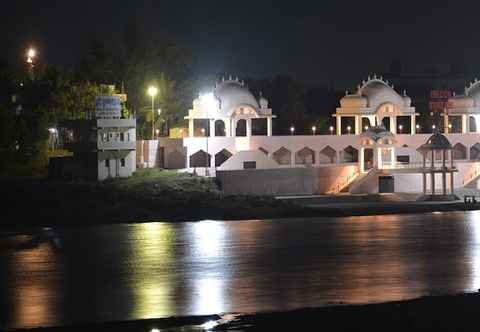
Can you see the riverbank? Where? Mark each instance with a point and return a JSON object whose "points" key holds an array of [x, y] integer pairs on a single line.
{"points": [[155, 195], [438, 313]]}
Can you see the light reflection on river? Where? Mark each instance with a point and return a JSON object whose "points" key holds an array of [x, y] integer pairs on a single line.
{"points": [[160, 269]]}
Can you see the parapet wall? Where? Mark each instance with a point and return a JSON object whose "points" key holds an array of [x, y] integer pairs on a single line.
{"points": [[285, 181]]}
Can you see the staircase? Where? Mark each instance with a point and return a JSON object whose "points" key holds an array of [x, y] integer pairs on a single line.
{"points": [[367, 183]]}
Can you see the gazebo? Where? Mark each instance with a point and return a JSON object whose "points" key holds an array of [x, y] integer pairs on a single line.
{"points": [[376, 142], [437, 143]]}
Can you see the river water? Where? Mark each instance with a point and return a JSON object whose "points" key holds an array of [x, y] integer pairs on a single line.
{"points": [[153, 270]]}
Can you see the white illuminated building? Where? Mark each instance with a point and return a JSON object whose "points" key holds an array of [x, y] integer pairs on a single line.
{"points": [[375, 139]]}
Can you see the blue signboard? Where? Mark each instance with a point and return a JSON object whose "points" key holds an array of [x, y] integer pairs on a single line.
{"points": [[107, 107]]}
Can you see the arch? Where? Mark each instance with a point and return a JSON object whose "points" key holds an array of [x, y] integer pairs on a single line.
{"points": [[283, 156], [386, 122], [459, 151], [222, 157], [200, 159], [176, 160], [472, 124], [305, 156], [365, 123], [328, 155], [475, 152], [220, 128], [241, 128], [350, 154]]}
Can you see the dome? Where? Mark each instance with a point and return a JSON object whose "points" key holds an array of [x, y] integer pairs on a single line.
{"points": [[473, 91], [460, 102], [233, 94], [355, 101], [437, 141], [378, 92]]}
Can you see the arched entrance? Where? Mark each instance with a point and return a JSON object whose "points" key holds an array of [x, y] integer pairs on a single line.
{"points": [[241, 128]]}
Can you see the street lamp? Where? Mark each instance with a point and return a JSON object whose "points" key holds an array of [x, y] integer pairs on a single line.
{"points": [[400, 128], [152, 92], [30, 56], [417, 127], [157, 131], [313, 130], [292, 130], [348, 129], [433, 127], [366, 128], [331, 130]]}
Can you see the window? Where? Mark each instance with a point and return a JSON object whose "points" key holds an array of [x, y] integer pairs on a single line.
{"points": [[122, 162], [107, 162], [403, 159], [122, 137], [249, 165]]}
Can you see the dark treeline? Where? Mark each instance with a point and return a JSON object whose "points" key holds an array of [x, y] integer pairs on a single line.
{"points": [[33, 101]]}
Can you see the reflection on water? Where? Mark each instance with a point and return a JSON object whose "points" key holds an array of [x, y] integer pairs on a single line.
{"points": [[160, 269]]}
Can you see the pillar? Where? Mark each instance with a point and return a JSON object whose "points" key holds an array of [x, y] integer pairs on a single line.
{"points": [[444, 174], [228, 127], [361, 160], [269, 126], [358, 124], [211, 124], [393, 124], [432, 174], [451, 172], [413, 124], [339, 125], [464, 124], [249, 127], [445, 123], [424, 174], [379, 160], [393, 159], [191, 128]]}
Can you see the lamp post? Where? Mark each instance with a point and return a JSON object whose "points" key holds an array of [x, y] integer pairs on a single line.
{"points": [[417, 127], [366, 128], [400, 128], [292, 130], [348, 129], [31, 53], [152, 92], [313, 130], [331, 130]]}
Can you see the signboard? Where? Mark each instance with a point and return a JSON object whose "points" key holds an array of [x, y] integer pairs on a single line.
{"points": [[107, 107], [439, 100]]}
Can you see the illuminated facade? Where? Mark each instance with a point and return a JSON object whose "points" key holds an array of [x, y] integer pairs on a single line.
{"points": [[376, 136]]}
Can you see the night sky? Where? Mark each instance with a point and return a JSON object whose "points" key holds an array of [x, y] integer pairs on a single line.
{"points": [[316, 42]]}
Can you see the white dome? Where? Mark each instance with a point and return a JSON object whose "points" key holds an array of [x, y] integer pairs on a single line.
{"points": [[233, 94], [355, 101], [378, 92]]}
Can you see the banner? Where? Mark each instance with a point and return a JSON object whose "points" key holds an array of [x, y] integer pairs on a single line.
{"points": [[108, 107]]}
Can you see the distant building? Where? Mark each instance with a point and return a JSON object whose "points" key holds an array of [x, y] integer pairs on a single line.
{"points": [[103, 147]]}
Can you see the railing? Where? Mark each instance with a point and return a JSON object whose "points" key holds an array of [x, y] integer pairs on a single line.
{"points": [[338, 187]]}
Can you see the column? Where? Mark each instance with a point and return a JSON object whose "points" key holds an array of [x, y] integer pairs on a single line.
{"points": [[362, 160], [379, 160], [464, 124], [358, 123], [233, 123], [269, 126], [339, 125], [432, 174], [445, 123], [249, 127], [393, 124], [211, 123], [444, 174], [424, 174], [191, 128], [228, 127], [393, 158], [451, 172], [413, 125]]}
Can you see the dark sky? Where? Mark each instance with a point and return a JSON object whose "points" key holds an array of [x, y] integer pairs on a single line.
{"points": [[313, 41]]}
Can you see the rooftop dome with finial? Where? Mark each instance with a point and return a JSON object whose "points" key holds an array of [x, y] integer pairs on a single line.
{"points": [[378, 91], [263, 101], [233, 94], [437, 141]]}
